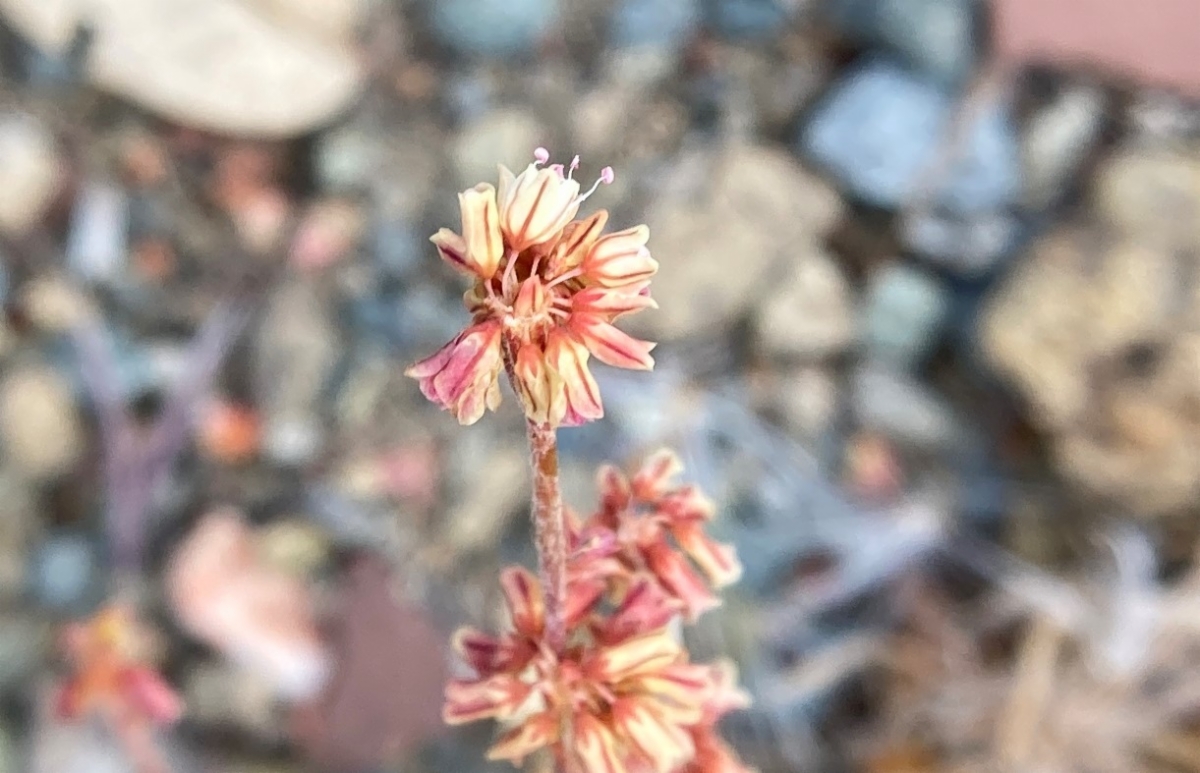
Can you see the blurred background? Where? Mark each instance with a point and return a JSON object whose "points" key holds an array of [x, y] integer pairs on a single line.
{"points": [[929, 333]]}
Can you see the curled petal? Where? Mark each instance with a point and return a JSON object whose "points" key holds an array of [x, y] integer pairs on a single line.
{"points": [[462, 376], [577, 239], [653, 478], [639, 655], [610, 304], [532, 734], [523, 595], [481, 229], [582, 595], [725, 695], [610, 345], [453, 249], [596, 746], [717, 560], [540, 387], [568, 358], [686, 504], [664, 743], [621, 259], [645, 607], [536, 205], [615, 493], [478, 650], [673, 571], [496, 697]]}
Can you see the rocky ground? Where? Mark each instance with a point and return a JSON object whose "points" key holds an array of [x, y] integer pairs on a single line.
{"points": [[940, 366]]}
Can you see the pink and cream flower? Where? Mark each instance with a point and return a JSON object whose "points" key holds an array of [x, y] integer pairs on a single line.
{"points": [[546, 291]]}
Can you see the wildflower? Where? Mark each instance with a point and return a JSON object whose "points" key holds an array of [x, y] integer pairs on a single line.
{"points": [[547, 290], [648, 518], [713, 755], [109, 676]]}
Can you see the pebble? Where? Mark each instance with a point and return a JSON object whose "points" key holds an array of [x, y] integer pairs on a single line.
{"points": [[64, 572], [492, 485], [98, 242], [878, 131], [722, 246], [272, 77], [493, 28], [504, 136], [19, 529], [809, 312], [970, 246], [30, 172], [39, 422], [25, 642], [900, 407], [906, 309], [809, 399], [654, 23], [397, 246], [748, 20], [935, 36], [346, 159], [1056, 140], [297, 350]]}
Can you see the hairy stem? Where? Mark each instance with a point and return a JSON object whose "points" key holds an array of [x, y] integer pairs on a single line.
{"points": [[549, 531], [546, 509]]}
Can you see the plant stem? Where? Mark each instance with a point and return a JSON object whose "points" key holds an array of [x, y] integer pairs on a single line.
{"points": [[549, 530]]}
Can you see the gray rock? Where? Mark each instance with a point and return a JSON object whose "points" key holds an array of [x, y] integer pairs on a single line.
{"points": [[809, 312], [879, 129], [903, 409], [98, 242], [665, 23], [493, 28], [906, 309], [297, 349], [719, 250], [935, 36], [970, 246], [1056, 141], [25, 643], [19, 529]]}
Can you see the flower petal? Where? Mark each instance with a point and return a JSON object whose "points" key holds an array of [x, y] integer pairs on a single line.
{"points": [[453, 249], [577, 239], [680, 580], [641, 654], [540, 387], [596, 746], [523, 595], [481, 229], [718, 561], [610, 304], [665, 744], [620, 259], [496, 697], [653, 478], [533, 733], [569, 359], [645, 608], [610, 345]]}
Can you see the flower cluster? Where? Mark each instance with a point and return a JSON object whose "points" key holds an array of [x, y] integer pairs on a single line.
{"points": [[546, 290], [622, 695], [111, 681]]}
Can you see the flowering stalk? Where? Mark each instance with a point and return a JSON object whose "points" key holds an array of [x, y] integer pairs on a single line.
{"points": [[549, 529], [589, 671]]}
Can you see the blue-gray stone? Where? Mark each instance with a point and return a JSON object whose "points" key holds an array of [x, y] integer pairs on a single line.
{"points": [[879, 129], [905, 311], [969, 246], [397, 246], [98, 242], [492, 28], [747, 20], [933, 36], [665, 23], [64, 572]]}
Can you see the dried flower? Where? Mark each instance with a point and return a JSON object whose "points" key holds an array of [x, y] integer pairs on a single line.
{"points": [[546, 291]]}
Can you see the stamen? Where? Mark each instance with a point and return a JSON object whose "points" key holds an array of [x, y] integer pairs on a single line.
{"points": [[565, 277], [509, 274], [574, 166], [540, 156], [606, 178]]}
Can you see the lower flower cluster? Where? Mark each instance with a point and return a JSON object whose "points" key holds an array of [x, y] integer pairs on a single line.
{"points": [[622, 695]]}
